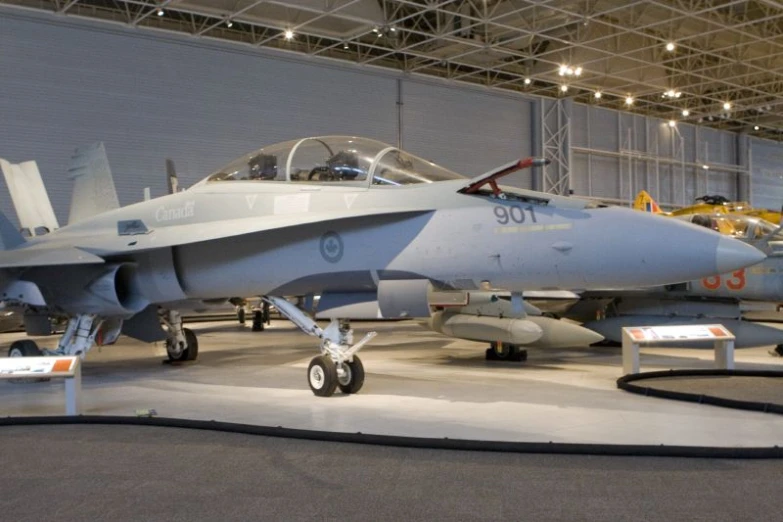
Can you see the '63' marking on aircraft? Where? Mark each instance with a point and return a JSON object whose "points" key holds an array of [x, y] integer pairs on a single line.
{"points": [[735, 282]]}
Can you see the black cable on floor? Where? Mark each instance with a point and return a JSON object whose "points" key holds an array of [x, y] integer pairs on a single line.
{"points": [[625, 383], [627, 450]]}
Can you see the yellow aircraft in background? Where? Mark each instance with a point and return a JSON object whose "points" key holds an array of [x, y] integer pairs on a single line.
{"points": [[707, 205]]}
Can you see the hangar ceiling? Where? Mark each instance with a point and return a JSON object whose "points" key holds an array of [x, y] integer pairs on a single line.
{"points": [[715, 63]]}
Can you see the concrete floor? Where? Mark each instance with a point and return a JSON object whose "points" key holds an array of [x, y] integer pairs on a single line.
{"points": [[419, 384]]}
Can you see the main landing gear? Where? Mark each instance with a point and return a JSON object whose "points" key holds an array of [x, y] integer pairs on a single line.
{"points": [[181, 343], [338, 366], [82, 332], [498, 351]]}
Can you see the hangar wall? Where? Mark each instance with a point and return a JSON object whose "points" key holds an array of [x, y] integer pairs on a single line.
{"points": [[150, 95], [767, 179], [616, 154]]}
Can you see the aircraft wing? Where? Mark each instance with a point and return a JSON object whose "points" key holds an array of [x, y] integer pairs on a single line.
{"points": [[87, 246], [46, 255]]}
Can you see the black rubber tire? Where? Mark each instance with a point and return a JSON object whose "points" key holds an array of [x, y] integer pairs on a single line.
{"points": [[258, 321], [323, 380], [241, 316], [190, 353], [24, 348], [509, 353], [355, 379]]}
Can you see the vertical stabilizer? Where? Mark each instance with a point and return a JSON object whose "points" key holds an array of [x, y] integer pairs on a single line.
{"points": [[9, 235], [93, 186], [646, 203], [171, 177], [29, 197]]}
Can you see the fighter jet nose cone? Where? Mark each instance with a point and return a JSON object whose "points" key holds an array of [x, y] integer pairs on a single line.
{"points": [[733, 254]]}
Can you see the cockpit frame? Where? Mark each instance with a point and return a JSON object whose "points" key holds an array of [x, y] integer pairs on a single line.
{"points": [[349, 161]]}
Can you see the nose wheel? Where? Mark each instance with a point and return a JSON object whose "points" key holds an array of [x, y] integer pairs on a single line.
{"points": [[324, 376]]}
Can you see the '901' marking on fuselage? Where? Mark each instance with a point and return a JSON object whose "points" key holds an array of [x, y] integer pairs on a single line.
{"points": [[514, 214]]}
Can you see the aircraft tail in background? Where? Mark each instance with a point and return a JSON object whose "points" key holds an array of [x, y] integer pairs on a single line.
{"points": [[93, 185], [646, 203]]}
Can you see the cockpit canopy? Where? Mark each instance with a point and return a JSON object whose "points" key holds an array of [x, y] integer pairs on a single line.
{"points": [[735, 225], [329, 159]]}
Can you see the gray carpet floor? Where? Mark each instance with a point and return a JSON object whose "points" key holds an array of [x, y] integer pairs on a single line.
{"points": [[119, 473], [767, 390]]}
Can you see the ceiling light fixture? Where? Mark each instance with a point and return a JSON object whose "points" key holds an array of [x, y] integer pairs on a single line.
{"points": [[705, 167], [670, 46], [672, 123], [289, 34], [345, 45], [578, 71], [629, 100], [229, 24], [686, 112], [756, 127], [597, 95], [564, 88], [528, 81], [161, 12], [726, 106]]}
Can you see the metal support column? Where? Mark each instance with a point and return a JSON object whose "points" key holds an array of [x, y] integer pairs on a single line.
{"points": [[556, 140]]}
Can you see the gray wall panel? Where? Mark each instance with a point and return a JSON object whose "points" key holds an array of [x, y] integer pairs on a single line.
{"points": [[466, 131], [766, 174], [603, 129], [580, 135], [148, 97]]}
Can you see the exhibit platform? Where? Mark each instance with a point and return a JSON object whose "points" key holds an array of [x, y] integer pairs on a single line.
{"points": [[419, 384]]}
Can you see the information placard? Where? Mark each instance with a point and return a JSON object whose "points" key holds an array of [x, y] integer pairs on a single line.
{"points": [[12, 367], [689, 332]]}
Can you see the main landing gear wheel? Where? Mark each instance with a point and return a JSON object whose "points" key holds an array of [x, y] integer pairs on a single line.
{"points": [[178, 353], [506, 352], [258, 321], [322, 376], [350, 377], [241, 316], [24, 348]]}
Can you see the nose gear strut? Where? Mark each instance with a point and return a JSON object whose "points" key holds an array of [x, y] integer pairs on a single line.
{"points": [[338, 365]]}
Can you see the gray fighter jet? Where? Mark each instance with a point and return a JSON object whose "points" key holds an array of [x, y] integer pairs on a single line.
{"points": [[333, 215]]}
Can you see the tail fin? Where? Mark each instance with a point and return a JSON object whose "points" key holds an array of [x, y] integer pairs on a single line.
{"points": [[9, 235], [646, 203], [171, 177], [28, 194], [93, 185]]}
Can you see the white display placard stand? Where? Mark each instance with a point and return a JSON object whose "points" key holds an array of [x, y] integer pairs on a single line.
{"points": [[636, 336], [68, 368]]}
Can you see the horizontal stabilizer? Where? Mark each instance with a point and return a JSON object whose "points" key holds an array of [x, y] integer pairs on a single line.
{"points": [[93, 186]]}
